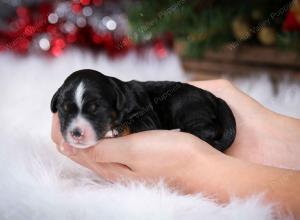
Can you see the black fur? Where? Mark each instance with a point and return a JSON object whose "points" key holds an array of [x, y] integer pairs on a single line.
{"points": [[142, 106]]}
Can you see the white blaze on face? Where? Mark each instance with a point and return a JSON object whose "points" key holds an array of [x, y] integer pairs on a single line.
{"points": [[89, 137], [79, 95]]}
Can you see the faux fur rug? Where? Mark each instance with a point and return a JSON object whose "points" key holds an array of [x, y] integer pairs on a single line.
{"points": [[36, 182]]}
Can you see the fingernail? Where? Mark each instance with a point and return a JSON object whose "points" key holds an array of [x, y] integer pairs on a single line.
{"points": [[67, 149], [61, 149]]}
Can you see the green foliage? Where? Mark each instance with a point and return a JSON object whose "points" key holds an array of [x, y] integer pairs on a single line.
{"points": [[289, 41], [204, 24]]}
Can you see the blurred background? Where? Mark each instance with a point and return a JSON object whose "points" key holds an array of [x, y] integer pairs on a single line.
{"points": [[256, 44]]}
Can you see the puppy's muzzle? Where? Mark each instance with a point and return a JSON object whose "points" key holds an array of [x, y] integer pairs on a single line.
{"points": [[77, 133]]}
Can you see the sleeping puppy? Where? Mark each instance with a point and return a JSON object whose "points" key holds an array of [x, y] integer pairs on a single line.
{"points": [[92, 106]]}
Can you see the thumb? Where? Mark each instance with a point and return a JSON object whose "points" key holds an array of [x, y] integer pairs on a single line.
{"points": [[67, 149], [110, 150], [125, 149]]}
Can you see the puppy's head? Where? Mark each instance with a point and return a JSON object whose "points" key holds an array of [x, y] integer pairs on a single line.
{"points": [[87, 105]]}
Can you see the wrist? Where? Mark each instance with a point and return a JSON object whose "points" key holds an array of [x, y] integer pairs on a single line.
{"points": [[207, 174], [219, 176]]}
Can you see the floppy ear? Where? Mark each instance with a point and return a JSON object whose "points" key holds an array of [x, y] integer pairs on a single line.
{"points": [[54, 101], [120, 101], [120, 97]]}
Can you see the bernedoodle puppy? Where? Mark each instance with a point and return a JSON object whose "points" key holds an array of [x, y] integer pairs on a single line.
{"points": [[92, 106]]}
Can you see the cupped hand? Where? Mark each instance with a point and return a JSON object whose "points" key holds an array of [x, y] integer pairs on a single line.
{"points": [[151, 155], [262, 136], [191, 165]]}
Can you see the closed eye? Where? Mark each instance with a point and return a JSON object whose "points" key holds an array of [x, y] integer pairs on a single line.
{"points": [[93, 107], [69, 107]]}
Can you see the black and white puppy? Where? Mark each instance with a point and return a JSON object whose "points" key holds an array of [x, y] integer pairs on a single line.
{"points": [[92, 106]]}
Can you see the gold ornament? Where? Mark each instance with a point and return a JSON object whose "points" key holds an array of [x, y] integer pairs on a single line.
{"points": [[241, 29], [256, 15], [267, 36]]}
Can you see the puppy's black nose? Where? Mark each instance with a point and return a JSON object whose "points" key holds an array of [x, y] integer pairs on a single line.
{"points": [[76, 133]]}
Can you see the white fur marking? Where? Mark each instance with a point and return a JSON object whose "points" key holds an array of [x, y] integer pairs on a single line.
{"points": [[79, 95], [89, 138], [111, 133]]}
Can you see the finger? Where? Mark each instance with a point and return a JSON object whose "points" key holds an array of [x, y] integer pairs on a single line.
{"points": [[110, 171], [127, 149], [113, 172], [78, 155], [66, 149], [55, 129], [71, 152], [112, 150]]}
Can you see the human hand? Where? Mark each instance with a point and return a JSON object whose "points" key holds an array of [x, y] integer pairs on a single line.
{"points": [[173, 156], [263, 136], [146, 155], [185, 162], [192, 165]]}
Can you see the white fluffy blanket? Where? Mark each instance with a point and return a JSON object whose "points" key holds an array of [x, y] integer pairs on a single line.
{"points": [[36, 182]]}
